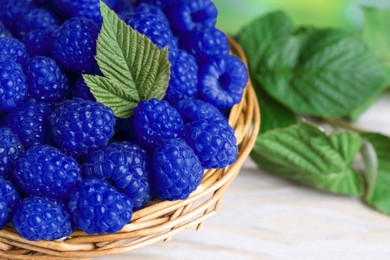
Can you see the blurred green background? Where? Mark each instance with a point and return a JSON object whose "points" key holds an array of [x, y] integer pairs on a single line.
{"points": [[337, 13]]}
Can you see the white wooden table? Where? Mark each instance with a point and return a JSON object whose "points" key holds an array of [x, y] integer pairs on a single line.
{"points": [[265, 217]]}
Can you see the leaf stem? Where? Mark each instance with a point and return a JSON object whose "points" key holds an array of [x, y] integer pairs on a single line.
{"points": [[343, 124]]}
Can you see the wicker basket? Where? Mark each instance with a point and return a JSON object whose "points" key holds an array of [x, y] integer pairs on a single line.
{"points": [[160, 220]]}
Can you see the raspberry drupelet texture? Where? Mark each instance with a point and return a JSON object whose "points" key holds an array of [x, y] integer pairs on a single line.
{"points": [[39, 218], [126, 165], [29, 121], [10, 150], [213, 142], [177, 171], [13, 11], [45, 80], [99, 208], [4, 32], [153, 9], [188, 15], [206, 44], [84, 8], [45, 171], [14, 49], [196, 109], [81, 90], [36, 19], [74, 45], [163, 4], [80, 126], [184, 79], [13, 87], [9, 200], [154, 28], [38, 42], [155, 122], [222, 81]]}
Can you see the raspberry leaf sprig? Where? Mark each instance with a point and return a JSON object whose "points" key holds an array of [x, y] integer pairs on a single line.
{"points": [[312, 71], [326, 77], [134, 68]]}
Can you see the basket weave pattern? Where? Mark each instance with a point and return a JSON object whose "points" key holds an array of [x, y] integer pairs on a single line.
{"points": [[160, 220]]}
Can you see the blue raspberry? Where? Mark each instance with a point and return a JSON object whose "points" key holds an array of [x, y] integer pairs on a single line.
{"points": [[153, 9], [188, 15], [45, 171], [126, 165], [213, 142], [163, 4], [222, 81], [36, 19], [29, 121], [14, 49], [46, 81], [155, 29], [155, 122], [4, 32], [177, 171], [13, 87], [38, 42], [74, 45], [9, 200], [10, 150], [81, 90], [99, 208], [85, 8], [13, 11], [196, 109], [81, 126], [39, 218], [206, 44], [184, 79]]}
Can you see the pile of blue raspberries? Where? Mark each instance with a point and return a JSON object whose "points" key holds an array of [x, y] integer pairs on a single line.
{"points": [[66, 162]]}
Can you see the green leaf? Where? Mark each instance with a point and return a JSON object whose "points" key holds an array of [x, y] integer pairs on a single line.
{"points": [[376, 33], [109, 93], [273, 114], [134, 68], [305, 154], [376, 152], [261, 34], [323, 72], [256, 39], [355, 114]]}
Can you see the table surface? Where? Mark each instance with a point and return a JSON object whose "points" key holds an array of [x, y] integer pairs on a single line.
{"points": [[266, 217]]}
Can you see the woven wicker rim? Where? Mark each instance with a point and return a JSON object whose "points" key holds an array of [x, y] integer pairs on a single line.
{"points": [[160, 220]]}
